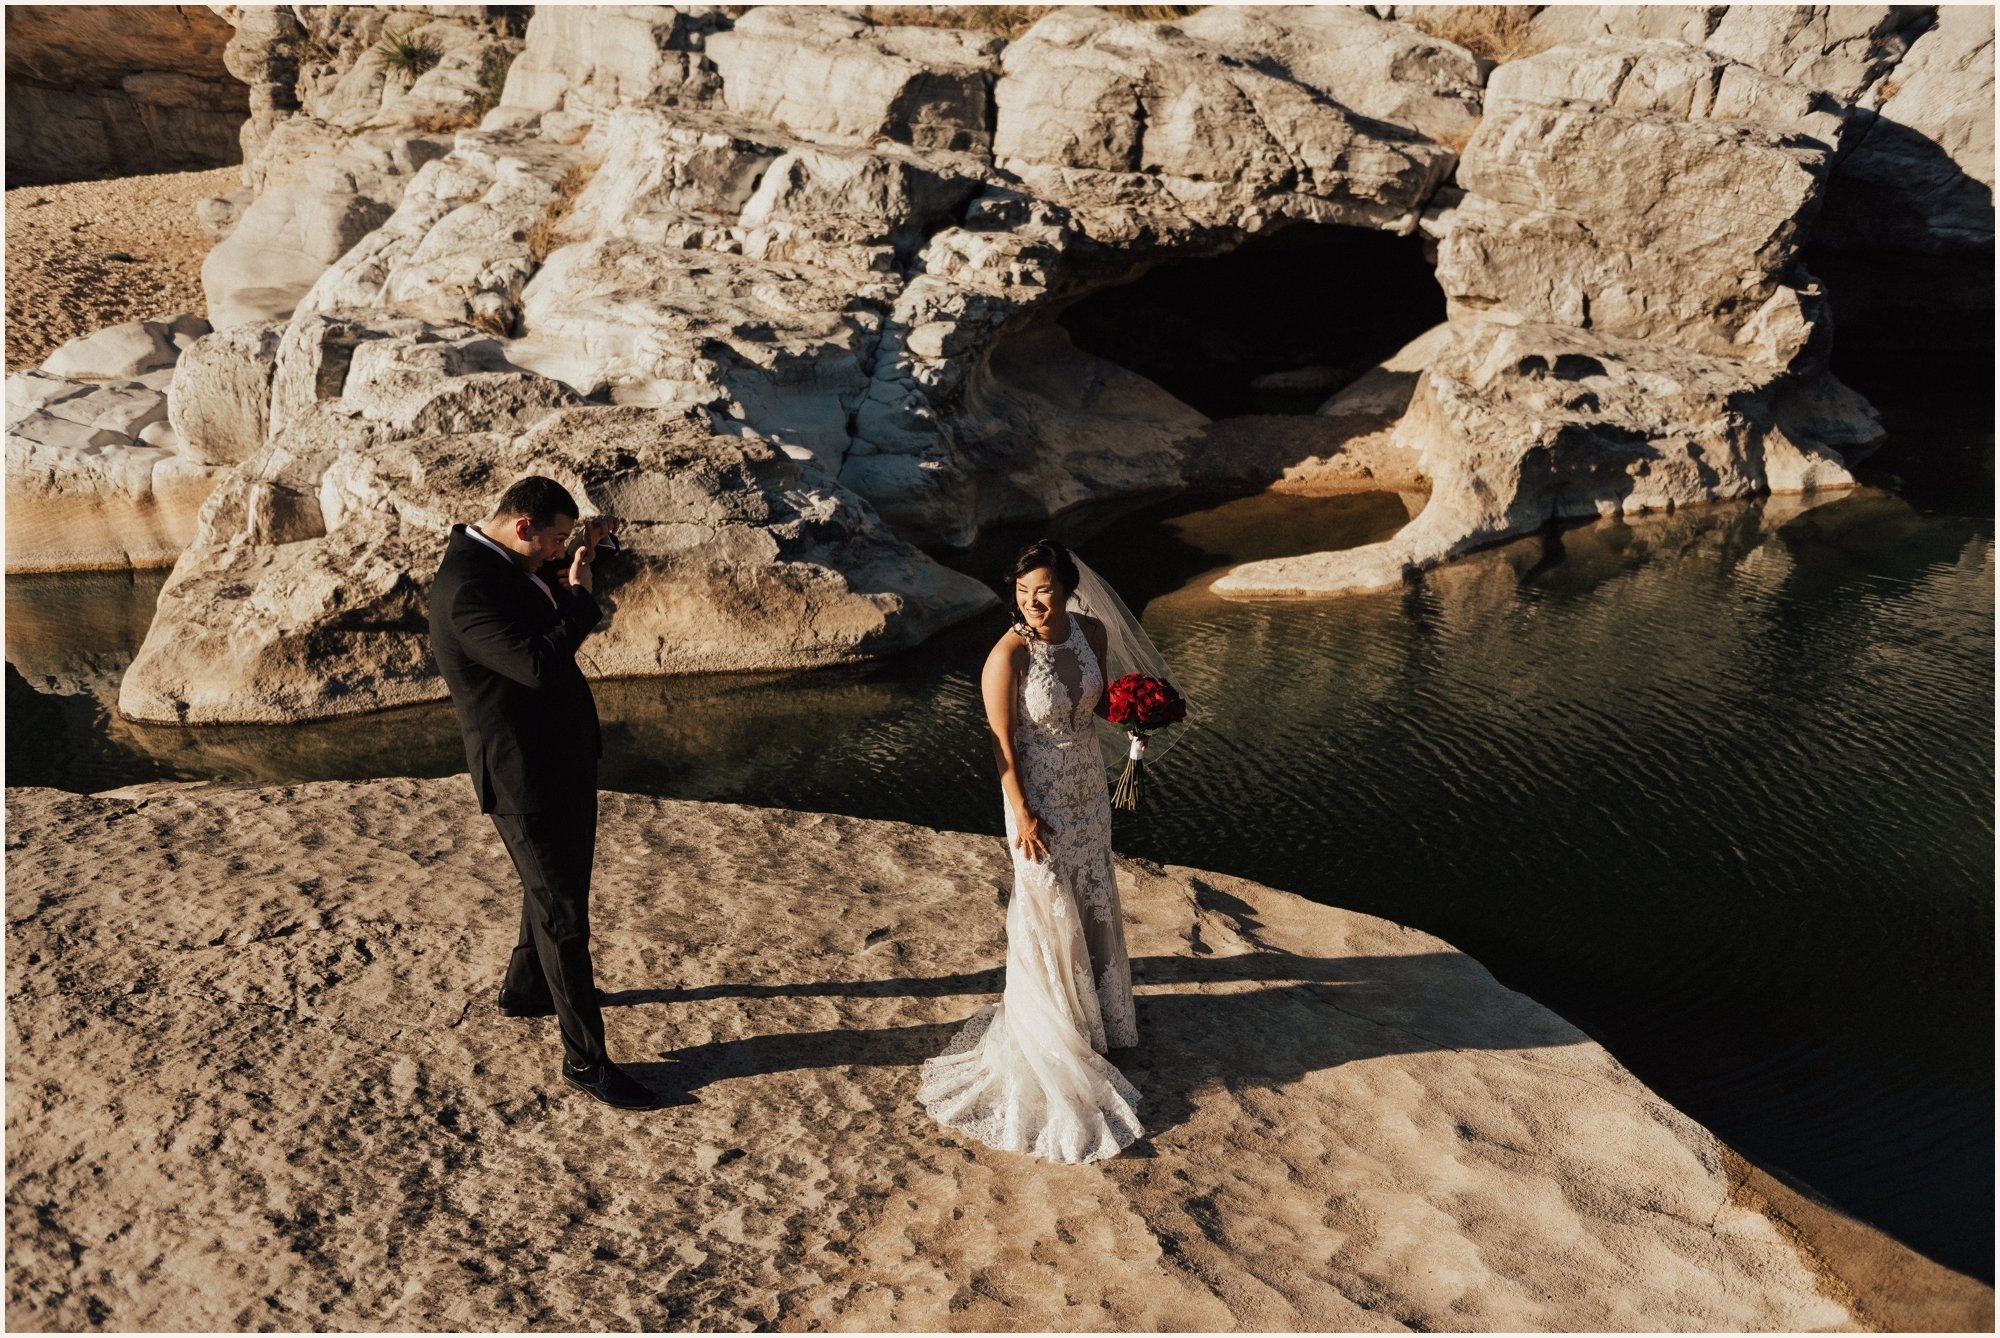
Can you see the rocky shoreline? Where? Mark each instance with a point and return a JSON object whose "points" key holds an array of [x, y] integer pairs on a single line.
{"points": [[255, 1078], [812, 328]]}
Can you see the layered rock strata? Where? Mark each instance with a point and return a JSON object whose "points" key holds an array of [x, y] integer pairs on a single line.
{"points": [[118, 90], [96, 473], [255, 1077]]}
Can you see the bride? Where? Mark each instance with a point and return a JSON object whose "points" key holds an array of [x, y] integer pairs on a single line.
{"points": [[1029, 1074]]}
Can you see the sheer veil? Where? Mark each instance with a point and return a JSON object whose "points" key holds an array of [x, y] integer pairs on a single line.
{"points": [[1127, 650]]}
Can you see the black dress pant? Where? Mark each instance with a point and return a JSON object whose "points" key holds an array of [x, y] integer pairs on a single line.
{"points": [[553, 853]]}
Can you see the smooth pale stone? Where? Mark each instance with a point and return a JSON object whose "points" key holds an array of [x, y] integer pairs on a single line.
{"points": [[115, 353], [33, 390], [162, 435], [128, 409], [1353, 1126]]}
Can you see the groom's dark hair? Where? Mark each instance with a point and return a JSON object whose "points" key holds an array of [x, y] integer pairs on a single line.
{"points": [[540, 500]]}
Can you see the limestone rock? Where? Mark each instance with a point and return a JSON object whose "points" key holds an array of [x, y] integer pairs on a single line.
{"points": [[1123, 115], [319, 192], [220, 400], [125, 352], [1905, 233], [218, 214], [860, 264], [1353, 1126], [823, 73], [307, 598], [1608, 349], [838, 300], [1639, 142], [590, 59], [1839, 48], [1918, 174], [1518, 426], [1385, 71], [405, 377], [264, 53], [84, 490], [456, 248], [778, 345], [1384, 390], [1556, 25], [93, 474], [1055, 428], [117, 90], [440, 382], [660, 169], [343, 82]]}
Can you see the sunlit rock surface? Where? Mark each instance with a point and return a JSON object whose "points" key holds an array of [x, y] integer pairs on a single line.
{"points": [[865, 264], [255, 1076]]}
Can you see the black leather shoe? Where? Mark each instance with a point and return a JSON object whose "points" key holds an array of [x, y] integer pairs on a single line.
{"points": [[611, 1085], [516, 1003]]}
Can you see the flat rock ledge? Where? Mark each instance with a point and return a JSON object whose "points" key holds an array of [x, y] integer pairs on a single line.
{"points": [[255, 1078]]}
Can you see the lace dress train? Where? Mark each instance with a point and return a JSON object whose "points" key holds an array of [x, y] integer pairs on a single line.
{"points": [[1028, 1074]]}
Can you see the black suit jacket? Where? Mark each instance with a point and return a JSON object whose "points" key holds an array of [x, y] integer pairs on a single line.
{"points": [[509, 658]]}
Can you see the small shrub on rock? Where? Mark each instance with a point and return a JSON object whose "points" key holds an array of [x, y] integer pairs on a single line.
{"points": [[406, 55]]}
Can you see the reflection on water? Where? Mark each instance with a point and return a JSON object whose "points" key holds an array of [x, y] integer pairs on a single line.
{"points": [[1718, 786]]}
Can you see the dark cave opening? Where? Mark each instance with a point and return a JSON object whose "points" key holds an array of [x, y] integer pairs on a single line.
{"points": [[1913, 332], [1276, 326]]}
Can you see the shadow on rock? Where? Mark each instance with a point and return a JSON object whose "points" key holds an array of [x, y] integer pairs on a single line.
{"points": [[1202, 1021]]}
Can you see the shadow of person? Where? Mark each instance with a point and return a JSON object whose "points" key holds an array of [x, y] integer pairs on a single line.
{"points": [[1252, 1020], [667, 1081], [964, 982], [697, 1066]]}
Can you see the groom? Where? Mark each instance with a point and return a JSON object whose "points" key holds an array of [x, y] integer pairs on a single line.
{"points": [[505, 640]]}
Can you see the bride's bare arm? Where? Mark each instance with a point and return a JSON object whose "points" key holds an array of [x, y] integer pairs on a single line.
{"points": [[999, 685]]}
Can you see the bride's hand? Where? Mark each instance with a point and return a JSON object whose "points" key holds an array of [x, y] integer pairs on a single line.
{"points": [[1028, 836]]}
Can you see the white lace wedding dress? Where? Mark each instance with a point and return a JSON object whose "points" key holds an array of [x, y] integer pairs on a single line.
{"points": [[1028, 1074]]}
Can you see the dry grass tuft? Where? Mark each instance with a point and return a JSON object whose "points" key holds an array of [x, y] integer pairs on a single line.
{"points": [[1456, 143], [1008, 21], [1499, 33], [441, 120], [1153, 13], [546, 234], [574, 178], [491, 322]]}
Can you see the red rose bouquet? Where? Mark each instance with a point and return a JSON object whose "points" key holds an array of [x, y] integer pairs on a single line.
{"points": [[1139, 706]]}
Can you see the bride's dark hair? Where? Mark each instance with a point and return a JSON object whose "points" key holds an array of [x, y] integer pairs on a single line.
{"points": [[1043, 553]]}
